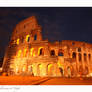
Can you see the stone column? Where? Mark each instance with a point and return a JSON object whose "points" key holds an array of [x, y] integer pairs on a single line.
{"points": [[82, 54], [77, 61], [55, 69], [88, 62], [56, 51], [44, 69], [58, 74], [35, 69], [39, 35], [87, 58], [46, 51], [70, 53], [36, 51]]}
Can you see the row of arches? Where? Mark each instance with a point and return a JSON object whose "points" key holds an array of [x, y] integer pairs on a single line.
{"points": [[27, 39], [71, 71], [60, 53], [85, 56], [40, 52], [40, 72], [49, 71], [31, 52]]}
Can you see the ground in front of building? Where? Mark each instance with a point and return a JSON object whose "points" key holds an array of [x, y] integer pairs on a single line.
{"points": [[28, 80]]}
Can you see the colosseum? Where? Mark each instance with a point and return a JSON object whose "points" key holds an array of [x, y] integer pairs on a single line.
{"points": [[28, 54]]}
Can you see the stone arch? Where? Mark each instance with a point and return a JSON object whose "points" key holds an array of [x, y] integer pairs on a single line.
{"points": [[60, 52], [85, 57], [35, 37], [28, 38], [79, 49], [69, 71], [32, 52], [39, 69], [40, 51], [74, 55], [30, 68], [50, 69], [61, 71], [52, 52], [89, 57], [17, 69], [24, 68]]}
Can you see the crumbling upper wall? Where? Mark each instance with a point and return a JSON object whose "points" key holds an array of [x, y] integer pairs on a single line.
{"points": [[71, 44], [76, 43], [26, 26]]}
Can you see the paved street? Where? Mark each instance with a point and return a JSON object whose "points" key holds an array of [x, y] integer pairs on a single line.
{"points": [[68, 81], [27, 80]]}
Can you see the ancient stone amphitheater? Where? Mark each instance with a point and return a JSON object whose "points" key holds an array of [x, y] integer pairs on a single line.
{"points": [[28, 54]]}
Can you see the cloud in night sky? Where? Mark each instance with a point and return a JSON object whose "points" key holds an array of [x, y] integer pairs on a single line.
{"points": [[57, 23]]}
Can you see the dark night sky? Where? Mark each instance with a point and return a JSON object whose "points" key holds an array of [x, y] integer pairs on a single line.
{"points": [[57, 23]]}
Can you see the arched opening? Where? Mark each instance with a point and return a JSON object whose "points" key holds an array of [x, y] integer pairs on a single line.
{"points": [[79, 57], [60, 53], [50, 69], [30, 69], [41, 52], [85, 57], [24, 68], [89, 56], [69, 71], [39, 68], [19, 53], [35, 37], [18, 41], [61, 70], [32, 53], [52, 53], [79, 49], [28, 38], [73, 43], [74, 55], [17, 70]]}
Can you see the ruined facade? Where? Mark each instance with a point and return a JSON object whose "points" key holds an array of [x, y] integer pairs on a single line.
{"points": [[29, 54]]}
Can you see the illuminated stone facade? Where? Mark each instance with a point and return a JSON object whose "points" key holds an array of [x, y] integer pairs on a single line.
{"points": [[29, 54]]}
